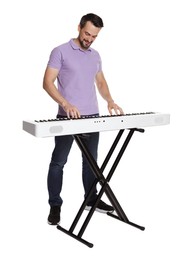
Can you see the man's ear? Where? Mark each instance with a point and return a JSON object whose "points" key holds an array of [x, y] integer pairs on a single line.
{"points": [[79, 28]]}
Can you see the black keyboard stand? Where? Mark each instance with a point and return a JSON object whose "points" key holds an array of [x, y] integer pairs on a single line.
{"points": [[105, 188]]}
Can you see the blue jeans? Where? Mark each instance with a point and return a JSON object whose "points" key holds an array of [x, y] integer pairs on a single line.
{"points": [[59, 158]]}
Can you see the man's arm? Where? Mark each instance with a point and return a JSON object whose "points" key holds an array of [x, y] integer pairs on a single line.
{"points": [[105, 93], [48, 84]]}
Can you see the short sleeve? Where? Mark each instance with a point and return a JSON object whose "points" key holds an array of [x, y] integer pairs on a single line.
{"points": [[55, 59], [98, 60], [100, 64]]}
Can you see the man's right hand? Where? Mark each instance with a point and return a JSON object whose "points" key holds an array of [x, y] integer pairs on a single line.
{"points": [[71, 111]]}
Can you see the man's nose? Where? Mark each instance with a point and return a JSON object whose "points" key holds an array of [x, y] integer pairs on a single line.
{"points": [[90, 38]]}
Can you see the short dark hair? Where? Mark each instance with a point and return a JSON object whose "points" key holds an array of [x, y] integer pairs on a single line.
{"points": [[93, 18]]}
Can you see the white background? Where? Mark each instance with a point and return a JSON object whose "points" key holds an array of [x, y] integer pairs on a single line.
{"points": [[144, 48]]}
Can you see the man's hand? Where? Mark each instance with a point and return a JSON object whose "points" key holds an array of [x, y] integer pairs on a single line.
{"points": [[113, 106], [71, 111]]}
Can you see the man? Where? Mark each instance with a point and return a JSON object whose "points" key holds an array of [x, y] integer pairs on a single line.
{"points": [[77, 68]]}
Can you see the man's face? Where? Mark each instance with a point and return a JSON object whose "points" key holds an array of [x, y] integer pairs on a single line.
{"points": [[87, 35]]}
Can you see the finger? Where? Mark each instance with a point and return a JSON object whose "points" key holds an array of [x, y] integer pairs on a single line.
{"points": [[118, 110], [121, 111], [78, 114], [110, 110], [68, 114], [75, 113], [115, 108]]}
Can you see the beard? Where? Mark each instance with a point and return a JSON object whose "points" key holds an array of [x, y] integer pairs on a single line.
{"points": [[84, 43]]}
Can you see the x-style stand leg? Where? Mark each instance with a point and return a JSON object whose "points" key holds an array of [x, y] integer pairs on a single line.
{"points": [[105, 188]]}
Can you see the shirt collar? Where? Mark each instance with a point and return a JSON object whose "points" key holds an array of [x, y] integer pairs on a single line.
{"points": [[76, 47]]}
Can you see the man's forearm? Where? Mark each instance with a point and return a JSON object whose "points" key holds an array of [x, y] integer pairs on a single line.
{"points": [[54, 93]]}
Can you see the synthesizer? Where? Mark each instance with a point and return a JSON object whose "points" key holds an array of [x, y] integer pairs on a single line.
{"points": [[88, 124]]}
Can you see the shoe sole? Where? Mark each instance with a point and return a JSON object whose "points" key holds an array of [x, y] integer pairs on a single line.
{"points": [[50, 223], [99, 210]]}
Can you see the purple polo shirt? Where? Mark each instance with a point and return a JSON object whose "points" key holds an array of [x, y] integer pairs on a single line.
{"points": [[76, 77]]}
